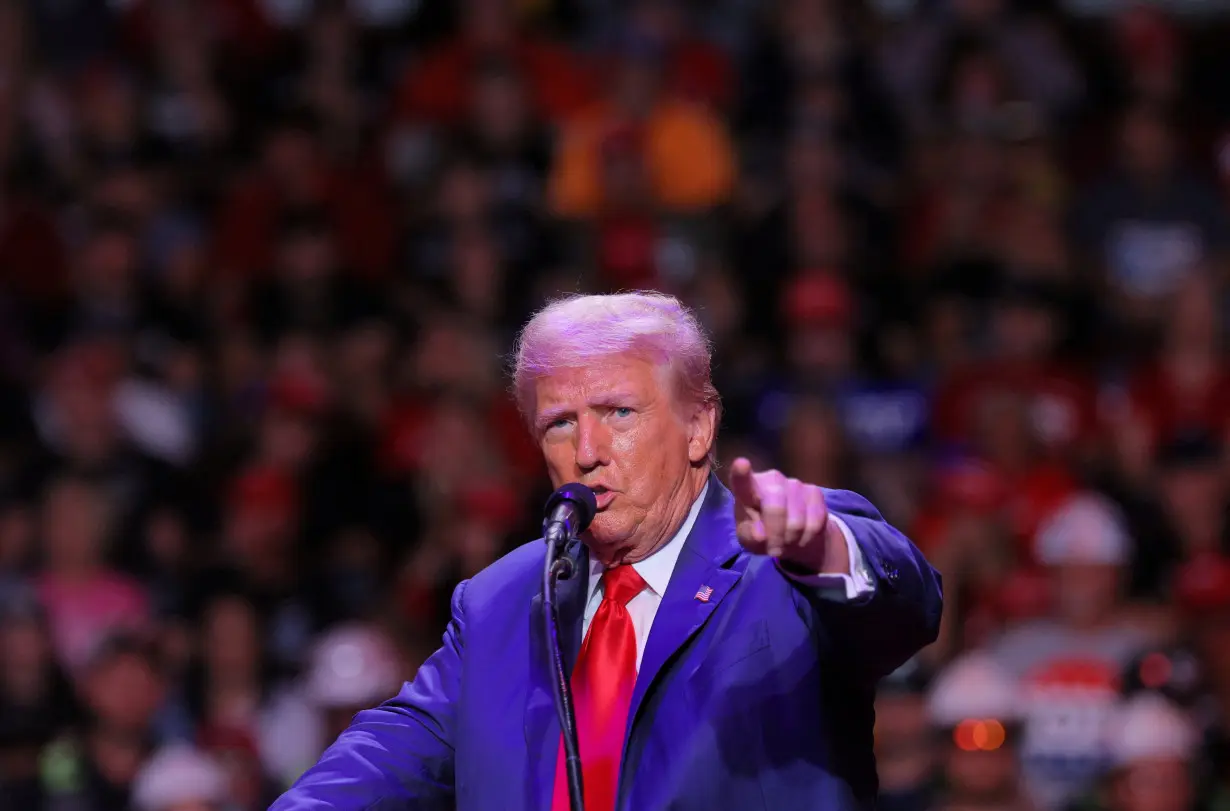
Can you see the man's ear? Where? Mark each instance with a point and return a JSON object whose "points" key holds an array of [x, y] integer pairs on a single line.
{"points": [[702, 427]]}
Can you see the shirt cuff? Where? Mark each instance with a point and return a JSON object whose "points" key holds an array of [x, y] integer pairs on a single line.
{"points": [[838, 586]]}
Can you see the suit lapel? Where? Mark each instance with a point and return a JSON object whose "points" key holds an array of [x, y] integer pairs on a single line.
{"points": [[542, 730], [704, 564]]}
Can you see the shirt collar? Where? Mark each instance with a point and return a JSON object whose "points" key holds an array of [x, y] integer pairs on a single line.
{"points": [[656, 570]]}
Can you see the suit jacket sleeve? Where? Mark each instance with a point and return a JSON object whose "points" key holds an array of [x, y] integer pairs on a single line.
{"points": [[875, 634], [399, 754]]}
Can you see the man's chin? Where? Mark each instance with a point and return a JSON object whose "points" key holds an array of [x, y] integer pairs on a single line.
{"points": [[605, 535]]}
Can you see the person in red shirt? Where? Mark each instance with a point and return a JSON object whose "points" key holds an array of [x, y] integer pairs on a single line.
{"points": [[436, 88], [1187, 385], [295, 173], [1059, 401]]}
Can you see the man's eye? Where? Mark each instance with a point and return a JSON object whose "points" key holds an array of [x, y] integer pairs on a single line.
{"points": [[560, 423], [623, 412]]}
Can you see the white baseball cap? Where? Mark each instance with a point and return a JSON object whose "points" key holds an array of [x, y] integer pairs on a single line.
{"points": [[178, 774], [1087, 529], [1149, 727], [973, 686], [353, 665]]}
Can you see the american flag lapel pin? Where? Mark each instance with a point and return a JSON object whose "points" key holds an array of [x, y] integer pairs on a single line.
{"points": [[704, 594]]}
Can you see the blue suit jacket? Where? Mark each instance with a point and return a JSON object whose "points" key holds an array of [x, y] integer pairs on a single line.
{"points": [[759, 698]]}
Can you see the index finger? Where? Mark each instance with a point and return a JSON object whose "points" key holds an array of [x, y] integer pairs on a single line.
{"points": [[743, 485]]}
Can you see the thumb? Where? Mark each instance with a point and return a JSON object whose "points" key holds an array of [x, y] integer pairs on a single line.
{"points": [[743, 485]]}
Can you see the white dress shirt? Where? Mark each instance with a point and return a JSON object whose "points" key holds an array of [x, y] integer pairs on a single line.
{"points": [[656, 571]]}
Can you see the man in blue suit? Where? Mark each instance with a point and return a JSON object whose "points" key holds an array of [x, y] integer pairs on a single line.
{"points": [[724, 649]]}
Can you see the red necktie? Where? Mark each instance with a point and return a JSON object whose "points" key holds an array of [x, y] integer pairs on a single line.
{"points": [[602, 684]]}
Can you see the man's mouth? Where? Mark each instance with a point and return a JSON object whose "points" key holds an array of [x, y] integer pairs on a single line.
{"points": [[603, 496]]}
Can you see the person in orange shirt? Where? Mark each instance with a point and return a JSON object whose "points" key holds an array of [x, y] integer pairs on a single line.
{"points": [[685, 150]]}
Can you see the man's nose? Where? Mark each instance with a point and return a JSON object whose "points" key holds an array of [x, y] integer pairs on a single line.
{"points": [[592, 443]]}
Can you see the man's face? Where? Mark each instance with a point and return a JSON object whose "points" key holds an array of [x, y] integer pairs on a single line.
{"points": [[614, 425], [1085, 593], [124, 693], [1163, 784]]}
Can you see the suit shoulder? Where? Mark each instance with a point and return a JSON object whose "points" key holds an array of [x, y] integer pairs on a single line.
{"points": [[516, 572]]}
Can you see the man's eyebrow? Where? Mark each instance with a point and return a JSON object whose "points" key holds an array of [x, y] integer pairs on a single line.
{"points": [[550, 415], [615, 398]]}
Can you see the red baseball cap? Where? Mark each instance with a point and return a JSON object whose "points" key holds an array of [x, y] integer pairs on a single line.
{"points": [[818, 299], [264, 488], [1203, 584]]}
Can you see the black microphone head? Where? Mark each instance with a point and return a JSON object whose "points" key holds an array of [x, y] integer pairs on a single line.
{"points": [[582, 500]]}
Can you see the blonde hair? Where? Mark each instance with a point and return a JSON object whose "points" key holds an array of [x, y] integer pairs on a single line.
{"points": [[578, 329]]}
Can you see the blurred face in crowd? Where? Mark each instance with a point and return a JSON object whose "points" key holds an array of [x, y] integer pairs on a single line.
{"points": [[1084, 593], [981, 776], [1154, 785], [945, 329], [194, 805], [617, 426], [74, 522], [812, 33], [16, 537], [449, 357], [291, 157], [1194, 496], [1213, 643], [258, 533], [25, 660], [813, 162], [1033, 240], [166, 539], [124, 691], [231, 639], [478, 273], [1147, 144], [635, 86], [128, 190], [819, 230], [488, 23], [661, 20], [463, 194], [626, 184], [977, 12], [974, 164], [306, 256], [978, 84], [13, 33], [820, 351], [1024, 331], [108, 109], [499, 109], [903, 743], [1004, 432], [812, 442], [83, 406], [108, 264]]}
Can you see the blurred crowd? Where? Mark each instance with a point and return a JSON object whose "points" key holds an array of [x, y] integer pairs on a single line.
{"points": [[261, 262]]}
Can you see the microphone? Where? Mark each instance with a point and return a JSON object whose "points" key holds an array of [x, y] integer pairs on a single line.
{"points": [[567, 514]]}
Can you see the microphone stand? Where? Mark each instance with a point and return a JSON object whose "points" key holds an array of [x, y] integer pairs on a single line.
{"points": [[558, 566]]}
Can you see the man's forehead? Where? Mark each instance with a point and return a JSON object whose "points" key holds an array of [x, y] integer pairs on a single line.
{"points": [[605, 378]]}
